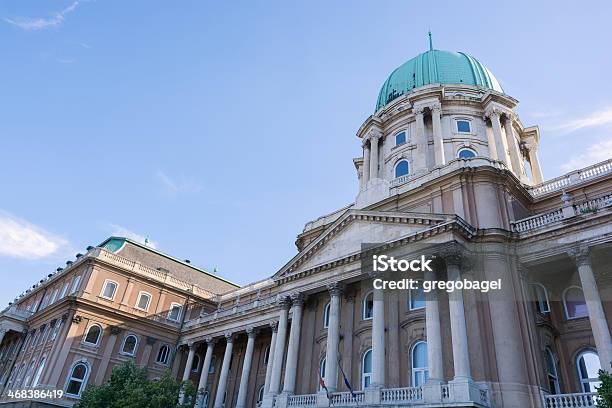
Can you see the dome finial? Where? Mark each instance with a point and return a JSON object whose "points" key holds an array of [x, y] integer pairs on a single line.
{"points": [[430, 42]]}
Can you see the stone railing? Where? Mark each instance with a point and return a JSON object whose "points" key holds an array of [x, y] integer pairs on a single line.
{"points": [[346, 399], [401, 395], [233, 311], [537, 221], [308, 400], [16, 313], [571, 179], [583, 399]]}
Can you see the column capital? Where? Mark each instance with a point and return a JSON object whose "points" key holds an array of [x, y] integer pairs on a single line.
{"points": [[209, 340], [251, 332], [493, 113], [335, 288], [374, 135], [274, 326], [418, 110], [581, 255], [229, 336], [115, 330], [191, 345], [436, 107], [510, 117], [283, 302], [349, 295], [297, 298]]}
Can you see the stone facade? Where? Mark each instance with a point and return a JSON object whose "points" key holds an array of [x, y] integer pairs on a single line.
{"points": [[471, 179]]}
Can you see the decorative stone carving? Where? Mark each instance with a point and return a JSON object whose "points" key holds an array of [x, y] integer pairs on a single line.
{"points": [[115, 330], [229, 336], [335, 288], [274, 326], [251, 332], [151, 340], [581, 255], [297, 298]]}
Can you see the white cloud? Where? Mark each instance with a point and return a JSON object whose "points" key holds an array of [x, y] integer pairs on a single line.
{"points": [[595, 153], [33, 24], [180, 186], [119, 231], [66, 61], [598, 118], [21, 239]]}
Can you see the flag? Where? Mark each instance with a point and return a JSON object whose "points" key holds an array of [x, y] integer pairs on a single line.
{"points": [[346, 381], [322, 384]]}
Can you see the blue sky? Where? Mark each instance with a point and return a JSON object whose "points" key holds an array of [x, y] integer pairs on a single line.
{"points": [[217, 129]]}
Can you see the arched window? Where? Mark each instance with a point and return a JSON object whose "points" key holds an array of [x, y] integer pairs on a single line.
{"points": [[367, 308], [196, 363], [93, 334], [588, 366], [109, 289], [144, 300], [322, 365], [551, 372], [20, 375], [129, 345], [260, 395], [53, 296], [416, 298], [205, 400], [420, 371], [56, 327], [402, 168], [463, 126], [28, 376], [174, 313], [541, 298], [39, 370], [64, 290], [266, 355], [573, 300], [163, 354], [466, 153], [366, 369], [75, 284], [400, 138], [326, 315], [77, 379], [213, 361]]}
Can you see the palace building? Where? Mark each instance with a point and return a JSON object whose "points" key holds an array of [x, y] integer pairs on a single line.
{"points": [[448, 169]]}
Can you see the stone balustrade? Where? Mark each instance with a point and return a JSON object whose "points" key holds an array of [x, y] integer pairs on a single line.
{"points": [[583, 399], [401, 395], [308, 400], [537, 221], [571, 179], [346, 399]]}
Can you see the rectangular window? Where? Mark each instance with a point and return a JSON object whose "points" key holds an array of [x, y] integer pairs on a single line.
{"points": [[75, 284], [400, 138], [174, 313], [109, 289], [463, 126]]}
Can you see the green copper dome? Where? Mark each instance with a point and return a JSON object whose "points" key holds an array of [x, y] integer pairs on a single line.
{"points": [[436, 67]]}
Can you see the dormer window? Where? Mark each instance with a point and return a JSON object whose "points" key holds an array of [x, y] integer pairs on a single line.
{"points": [[400, 138], [463, 126]]}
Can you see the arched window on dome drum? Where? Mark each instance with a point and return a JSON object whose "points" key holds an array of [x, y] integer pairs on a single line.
{"points": [[574, 303], [402, 168], [466, 153], [400, 138], [551, 372], [420, 371], [366, 369], [588, 366]]}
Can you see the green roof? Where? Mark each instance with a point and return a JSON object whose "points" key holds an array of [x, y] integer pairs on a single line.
{"points": [[436, 67]]}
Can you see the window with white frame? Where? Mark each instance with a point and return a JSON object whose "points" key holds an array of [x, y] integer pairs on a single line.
{"points": [[326, 315], [109, 289], [541, 298], [466, 153], [366, 369], [75, 284], [77, 379], [551, 372], [39, 370], [588, 366], [574, 303], [29, 373], [129, 345], [43, 333], [322, 365], [367, 306], [463, 126], [20, 375], [213, 361], [11, 377], [94, 333], [195, 365], [416, 298], [402, 168], [266, 355], [260, 395], [400, 138], [56, 327], [64, 290], [144, 300], [53, 296], [163, 355], [174, 313], [205, 399], [34, 339], [418, 357]]}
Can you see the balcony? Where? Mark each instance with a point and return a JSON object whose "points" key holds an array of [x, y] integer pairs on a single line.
{"points": [[583, 399], [572, 179]]}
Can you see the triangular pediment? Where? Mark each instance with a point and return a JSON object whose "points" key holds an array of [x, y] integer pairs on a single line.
{"points": [[346, 235]]}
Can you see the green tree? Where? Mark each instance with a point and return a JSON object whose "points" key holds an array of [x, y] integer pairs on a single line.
{"points": [[604, 391], [130, 387]]}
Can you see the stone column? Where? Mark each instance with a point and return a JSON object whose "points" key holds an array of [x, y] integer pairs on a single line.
{"points": [[274, 327], [3, 332], [293, 349], [374, 138], [366, 165], [227, 357], [56, 371], [461, 358], [436, 110], [146, 353], [187, 369], [498, 139], [347, 357], [434, 336], [419, 158], [534, 163], [106, 355], [597, 317], [246, 368], [513, 147], [333, 337], [279, 349], [378, 340], [203, 383]]}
